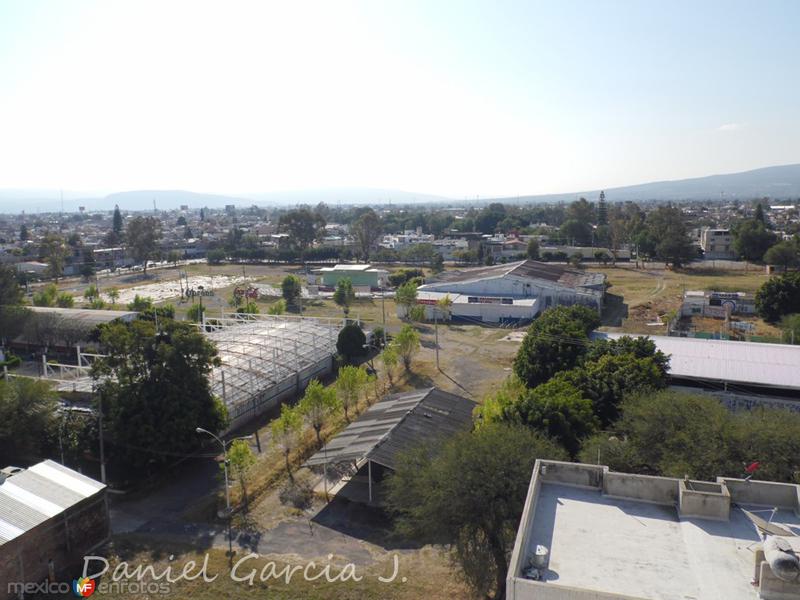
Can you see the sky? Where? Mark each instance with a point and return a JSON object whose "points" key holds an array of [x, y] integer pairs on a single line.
{"points": [[457, 98]]}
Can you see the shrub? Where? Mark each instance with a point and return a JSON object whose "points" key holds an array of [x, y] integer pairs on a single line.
{"points": [[351, 341]]}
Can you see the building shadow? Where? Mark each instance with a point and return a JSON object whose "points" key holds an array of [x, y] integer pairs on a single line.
{"points": [[614, 310], [363, 522]]}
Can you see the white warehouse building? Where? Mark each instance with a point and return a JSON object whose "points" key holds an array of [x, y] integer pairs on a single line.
{"points": [[511, 292]]}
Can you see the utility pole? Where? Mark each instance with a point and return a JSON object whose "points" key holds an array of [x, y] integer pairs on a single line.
{"points": [[436, 333]]}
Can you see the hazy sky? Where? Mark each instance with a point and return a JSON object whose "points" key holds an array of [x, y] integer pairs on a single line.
{"points": [[454, 98]]}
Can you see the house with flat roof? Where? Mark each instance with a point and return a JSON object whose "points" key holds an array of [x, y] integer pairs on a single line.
{"points": [[589, 533]]}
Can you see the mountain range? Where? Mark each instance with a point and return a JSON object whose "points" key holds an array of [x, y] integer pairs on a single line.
{"points": [[778, 183]]}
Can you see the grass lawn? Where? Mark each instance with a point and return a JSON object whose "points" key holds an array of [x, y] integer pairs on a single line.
{"points": [[425, 573]]}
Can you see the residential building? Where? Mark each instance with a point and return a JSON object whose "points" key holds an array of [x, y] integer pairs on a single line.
{"points": [[717, 244]]}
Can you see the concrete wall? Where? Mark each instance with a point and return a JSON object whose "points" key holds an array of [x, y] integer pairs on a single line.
{"points": [[659, 490], [572, 474], [764, 493], [525, 589], [771, 587], [704, 499]]}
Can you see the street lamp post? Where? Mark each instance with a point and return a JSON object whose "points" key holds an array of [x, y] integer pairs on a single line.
{"points": [[224, 465], [228, 512]]}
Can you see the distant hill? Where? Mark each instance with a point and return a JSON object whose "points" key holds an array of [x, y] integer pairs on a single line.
{"points": [[32, 201], [779, 183]]}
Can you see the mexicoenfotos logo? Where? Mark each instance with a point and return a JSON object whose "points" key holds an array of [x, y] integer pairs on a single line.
{"points": [[83, 587]]}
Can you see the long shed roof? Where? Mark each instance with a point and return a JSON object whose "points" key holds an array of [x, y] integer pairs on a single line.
{"points": [[725, 361], [397, 424], [39, 493]]}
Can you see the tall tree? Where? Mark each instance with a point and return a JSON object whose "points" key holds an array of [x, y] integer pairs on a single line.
{"points": [[406, 343], [784, 254], [602, 210], [55, 253], [292, 291], [751, 239], [242, 460], [344, 295], [367, 231], [666, 226], [116, 221], [286, 433], [303, 227], [12, 314], [470, 493], [350, 382], [142, 236], [317, 405], [23, 232], [155, 389]]}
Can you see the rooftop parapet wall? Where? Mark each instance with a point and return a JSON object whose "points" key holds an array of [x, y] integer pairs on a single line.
{"points": [[646, 488], [764, 493], [552, 471], [704, 499]]}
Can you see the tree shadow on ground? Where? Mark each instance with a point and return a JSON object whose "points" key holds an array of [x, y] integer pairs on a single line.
{"points": [[368, 523], [418, 380]]}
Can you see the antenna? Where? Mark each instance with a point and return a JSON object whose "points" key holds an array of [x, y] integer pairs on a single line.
{"points": [[154, 204]]}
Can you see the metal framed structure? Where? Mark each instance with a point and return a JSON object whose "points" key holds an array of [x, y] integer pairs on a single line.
{"points": [[267, 358]]}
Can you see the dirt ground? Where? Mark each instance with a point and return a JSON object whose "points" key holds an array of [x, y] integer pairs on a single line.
{"points": [[640, 298]]}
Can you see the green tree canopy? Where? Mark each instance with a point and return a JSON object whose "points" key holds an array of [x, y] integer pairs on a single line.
{"points": [[155, 389], [533, 249], [27, 407], [607, 380], [351, 341], [350, 383], [558, 410], [406, 344], [778, 297], [554, 342], [286, 431], [751, 239], [292, 290], [344, 295], [367, 230], [142, 237], [303, 227], [317, 405], [470, 494], [783, 254]]}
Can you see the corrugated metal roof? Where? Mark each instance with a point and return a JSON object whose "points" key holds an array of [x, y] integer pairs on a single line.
{"points": [[746, 363], [530, 269], [86, 316], [397, 424], [38, 494]]}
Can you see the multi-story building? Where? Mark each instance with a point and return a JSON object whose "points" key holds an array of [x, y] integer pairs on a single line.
{"points": [[717, 244]]}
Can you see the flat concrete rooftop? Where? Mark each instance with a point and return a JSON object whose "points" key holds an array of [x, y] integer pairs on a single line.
{"points": [[622, 536], [645, 550]]}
